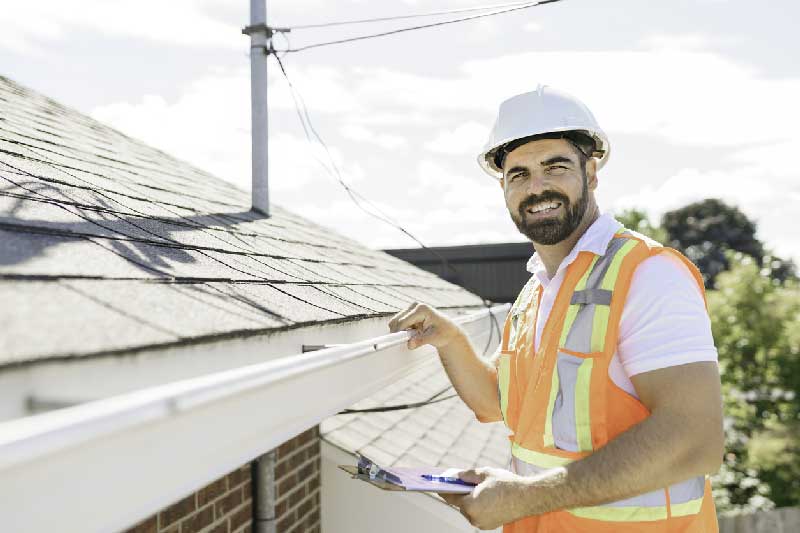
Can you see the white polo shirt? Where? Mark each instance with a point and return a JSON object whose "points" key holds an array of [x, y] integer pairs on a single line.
{"points": [[664, 321]]}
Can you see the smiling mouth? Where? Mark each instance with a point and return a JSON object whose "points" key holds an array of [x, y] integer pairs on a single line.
{"points": [[543, 208]]}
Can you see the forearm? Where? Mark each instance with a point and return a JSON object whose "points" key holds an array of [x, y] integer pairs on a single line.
{"points": [[474, 378], [649, 456]]}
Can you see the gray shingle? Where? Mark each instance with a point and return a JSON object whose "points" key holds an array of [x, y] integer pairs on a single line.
{"points": [[101, 215]]}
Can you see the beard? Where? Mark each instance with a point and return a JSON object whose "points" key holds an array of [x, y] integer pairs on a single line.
{"points": [[552, 231]]}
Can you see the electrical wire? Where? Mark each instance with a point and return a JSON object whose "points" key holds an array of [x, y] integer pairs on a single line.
{"points": [[355, 196], [420, 27], [404, 17], [432, 400], [308, 129]]}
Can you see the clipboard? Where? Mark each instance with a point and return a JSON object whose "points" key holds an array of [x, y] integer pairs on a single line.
{"points": [[405, 479]]}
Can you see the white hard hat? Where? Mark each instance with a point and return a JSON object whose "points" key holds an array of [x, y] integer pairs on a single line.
{"points": [[541, 112]]}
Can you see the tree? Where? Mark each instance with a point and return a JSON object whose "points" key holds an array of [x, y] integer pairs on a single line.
{"points": [[704, 231], [637, 220], [756, 326]]}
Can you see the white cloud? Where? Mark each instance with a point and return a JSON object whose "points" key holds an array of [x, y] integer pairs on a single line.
{"points": [[465, 139], [532, 27], [27, 25], [209, 126], [673, 91], [683, 42], [772, 201], [357, 132]]}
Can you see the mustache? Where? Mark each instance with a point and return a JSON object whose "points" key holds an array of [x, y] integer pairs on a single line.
{"points": [[547, 196]]}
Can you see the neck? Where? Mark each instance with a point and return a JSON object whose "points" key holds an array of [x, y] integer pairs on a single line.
{"points": [[553, 254]]}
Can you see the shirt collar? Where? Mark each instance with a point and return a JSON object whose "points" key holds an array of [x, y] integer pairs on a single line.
{"points": [[595, 240]]}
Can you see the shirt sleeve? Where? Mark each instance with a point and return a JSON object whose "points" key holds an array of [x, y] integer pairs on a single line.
{"points": [[664, 322]]}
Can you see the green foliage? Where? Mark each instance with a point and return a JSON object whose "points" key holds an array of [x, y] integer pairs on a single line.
{"points": [[637, 220], [755, 317], [756, 325], [705, 231]]}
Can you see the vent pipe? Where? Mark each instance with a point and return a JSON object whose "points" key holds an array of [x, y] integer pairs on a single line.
{"points": [[260, 36]]}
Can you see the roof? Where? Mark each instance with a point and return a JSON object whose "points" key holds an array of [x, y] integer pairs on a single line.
{"points": [[445, 433], [110, 246], [496, 272]]}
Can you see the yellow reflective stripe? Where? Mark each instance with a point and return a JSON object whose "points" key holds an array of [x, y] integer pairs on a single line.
{"points": [[551, 402], [583, 427], [687, 508], [542, 460], [621, 514], [503, 375], [572, 312], [599, 327], [613, 271]]}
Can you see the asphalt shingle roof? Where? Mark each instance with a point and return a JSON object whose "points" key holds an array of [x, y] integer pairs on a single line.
{"points": [[443, 434], [108, 245]]}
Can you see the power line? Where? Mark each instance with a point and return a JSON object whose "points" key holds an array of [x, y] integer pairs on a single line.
{"points": [[423, 26], [357, 198], [403, 17]]}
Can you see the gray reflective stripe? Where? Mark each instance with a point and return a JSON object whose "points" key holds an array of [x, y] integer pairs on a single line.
{"points": [[518, 466], [657, 498], [685, 497], [601, 267], [691, 489], [564, 434], [579, 338], [591, 296]]}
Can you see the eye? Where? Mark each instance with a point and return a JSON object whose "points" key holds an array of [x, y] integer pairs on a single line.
{"points": [[516, 176], [557, 169]]}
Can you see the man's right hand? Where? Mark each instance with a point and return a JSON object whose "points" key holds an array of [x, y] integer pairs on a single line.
{"points": [[428, 326]]}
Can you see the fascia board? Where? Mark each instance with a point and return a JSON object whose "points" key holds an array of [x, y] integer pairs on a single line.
{"points": [[104, 465]]}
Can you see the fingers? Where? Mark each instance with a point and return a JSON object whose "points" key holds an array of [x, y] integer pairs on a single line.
{"points": [[394, 319], [393, 323], [413, 317], [419, 338], [472, 475]]}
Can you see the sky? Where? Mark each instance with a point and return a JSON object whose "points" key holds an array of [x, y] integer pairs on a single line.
{"points": [[698, 98]]}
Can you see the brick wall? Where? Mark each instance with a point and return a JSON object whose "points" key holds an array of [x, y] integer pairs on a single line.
{"points": [[225, 505], [222, 506], [297, 476]]}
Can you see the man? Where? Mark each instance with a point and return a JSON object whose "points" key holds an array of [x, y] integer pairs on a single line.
{"points": [[606, 375]]}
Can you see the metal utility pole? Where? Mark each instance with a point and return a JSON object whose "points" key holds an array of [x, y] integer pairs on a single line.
{"points": [[260, 36]]}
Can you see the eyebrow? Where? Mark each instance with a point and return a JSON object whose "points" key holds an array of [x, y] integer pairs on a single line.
{"points": [[557, 159], [545, 163]]}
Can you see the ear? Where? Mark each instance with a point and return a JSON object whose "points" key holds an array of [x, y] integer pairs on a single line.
{"points": [[502, 183], [591, 173]]}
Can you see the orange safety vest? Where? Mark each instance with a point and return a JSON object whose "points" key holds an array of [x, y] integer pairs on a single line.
{"points": [[561, 405]]}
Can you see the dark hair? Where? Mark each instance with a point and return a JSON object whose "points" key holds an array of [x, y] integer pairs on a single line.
{"points": [[584, 145]]}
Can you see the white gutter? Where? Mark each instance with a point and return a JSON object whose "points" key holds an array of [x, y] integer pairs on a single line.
{"points": [[104, 465]]}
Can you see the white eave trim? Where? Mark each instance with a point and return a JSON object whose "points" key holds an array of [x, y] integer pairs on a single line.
{"points": [[104, 465]]}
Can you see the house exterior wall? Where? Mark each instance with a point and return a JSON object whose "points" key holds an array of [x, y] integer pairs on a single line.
{"points": [[226, 504], [222, 506], [297, 479]]}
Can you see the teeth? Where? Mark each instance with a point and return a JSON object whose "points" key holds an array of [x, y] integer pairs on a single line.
{"points": [[543, 206]]}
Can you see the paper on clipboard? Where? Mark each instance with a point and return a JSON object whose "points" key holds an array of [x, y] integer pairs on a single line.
{"points": [[410, 479]]}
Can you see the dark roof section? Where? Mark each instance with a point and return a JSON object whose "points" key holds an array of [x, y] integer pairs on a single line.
{"points": [[496, 272], [110, 246]]}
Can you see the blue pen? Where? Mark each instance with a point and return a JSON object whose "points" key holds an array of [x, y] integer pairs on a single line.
{"points": [[445, 479]]}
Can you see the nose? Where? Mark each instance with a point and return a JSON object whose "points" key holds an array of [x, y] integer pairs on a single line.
{"points": [[537, 183]]}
